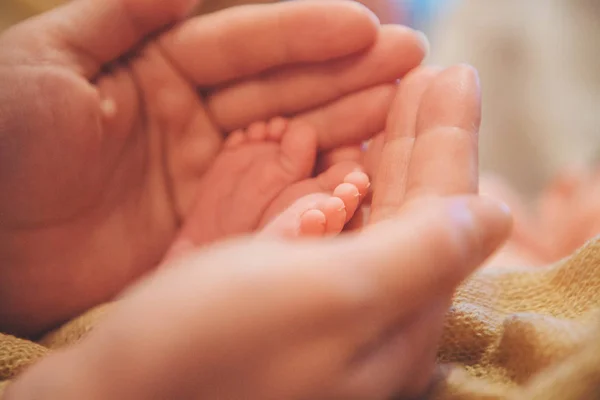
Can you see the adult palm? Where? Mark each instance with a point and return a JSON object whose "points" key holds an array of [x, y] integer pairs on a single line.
{"points": [[110, 112]]}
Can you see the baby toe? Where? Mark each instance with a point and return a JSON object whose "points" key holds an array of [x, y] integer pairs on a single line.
{"points": [[350, 195], [313, 223], [235, 139], [360, 180], [335, 212], [276, 127], [257, 131]]}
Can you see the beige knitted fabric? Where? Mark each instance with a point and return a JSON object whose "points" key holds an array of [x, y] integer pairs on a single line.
{"points": [[511, 334], [527, 333]]}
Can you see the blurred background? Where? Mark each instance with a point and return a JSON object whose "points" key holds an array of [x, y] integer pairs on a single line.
{"points": [[539, 62]]}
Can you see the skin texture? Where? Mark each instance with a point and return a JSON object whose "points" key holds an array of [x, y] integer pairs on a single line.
{"points": [[110, 113], [323, 319]]}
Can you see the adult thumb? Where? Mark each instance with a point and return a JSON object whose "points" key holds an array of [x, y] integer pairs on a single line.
{"points": [[96, 32], [428, 250]]}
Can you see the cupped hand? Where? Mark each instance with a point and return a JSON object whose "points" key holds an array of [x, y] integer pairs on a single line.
{"points": [[339, 318], [357, 316], [428, 152], [111, 110], [351, 317]]}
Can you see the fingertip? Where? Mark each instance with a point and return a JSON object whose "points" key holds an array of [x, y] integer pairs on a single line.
{"points": [[485, 221], [343, 27], [405, 107], [466, 71], [424, 42], [414, 45], [463, 76], [453, 99], [366, 10], [431, 247], [499, 213], [467, 75]]}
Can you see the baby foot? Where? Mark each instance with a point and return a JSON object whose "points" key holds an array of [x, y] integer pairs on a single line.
{"points": [[319, 214], [259, 173], [315, 214], [254, 167]]}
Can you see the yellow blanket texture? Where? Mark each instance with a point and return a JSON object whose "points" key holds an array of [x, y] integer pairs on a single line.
{"points": [[511, 334]]}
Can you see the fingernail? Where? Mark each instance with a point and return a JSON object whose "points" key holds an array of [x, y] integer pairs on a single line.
{"points": [[424, 42]]}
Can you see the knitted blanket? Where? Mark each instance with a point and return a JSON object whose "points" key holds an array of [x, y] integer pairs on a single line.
{"points": [[510, 334]]}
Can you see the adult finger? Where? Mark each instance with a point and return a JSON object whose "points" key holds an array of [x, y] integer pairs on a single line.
{"points": [[444, 158], [398, 139], [372, 154], [351, 119], [243, 41], [93, 32], [300, 87]]}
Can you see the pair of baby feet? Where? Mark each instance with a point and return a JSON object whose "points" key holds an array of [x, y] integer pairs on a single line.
{"points": [[262, 180]]}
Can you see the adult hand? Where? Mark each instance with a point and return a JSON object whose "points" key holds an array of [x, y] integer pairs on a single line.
{"points": [[355, 317], [428, 152], [257, 319], [109, 114], [351, 317]]}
